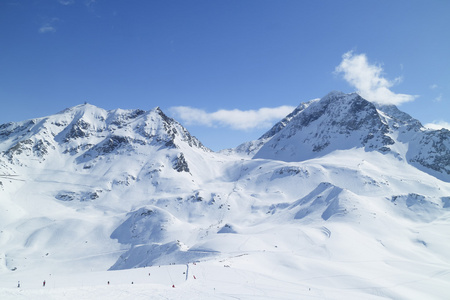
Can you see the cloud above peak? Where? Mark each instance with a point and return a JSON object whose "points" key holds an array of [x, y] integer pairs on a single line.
{"points": [[437, 125], [234, 119], [369, 81]]}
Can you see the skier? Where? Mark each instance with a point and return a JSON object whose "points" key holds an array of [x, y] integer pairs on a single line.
{"points": [[43, 284], [18, 284]]}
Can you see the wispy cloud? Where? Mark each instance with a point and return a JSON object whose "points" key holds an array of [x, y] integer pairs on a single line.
{"points": [[433, 86], [234, 119], [48, 26], [438, 98], [369, 81], [90, 4], [66, 2], [438, 125]]}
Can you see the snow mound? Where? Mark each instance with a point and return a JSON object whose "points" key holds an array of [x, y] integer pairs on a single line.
{"points": [[147, 225], [326, 200], [170, 253], [227, 228], [418, 207]]}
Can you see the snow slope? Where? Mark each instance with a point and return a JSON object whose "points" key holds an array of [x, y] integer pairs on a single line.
{"points": [[340, 200]]}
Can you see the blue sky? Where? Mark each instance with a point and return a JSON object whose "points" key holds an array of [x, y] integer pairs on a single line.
{"points": [[227, 70]]}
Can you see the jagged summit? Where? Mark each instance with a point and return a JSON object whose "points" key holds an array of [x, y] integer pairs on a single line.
{"points": [[337, 121], [342, 121], [90, 130]]}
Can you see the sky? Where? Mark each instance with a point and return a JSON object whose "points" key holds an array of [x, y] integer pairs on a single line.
{"points": [[226, 70]]}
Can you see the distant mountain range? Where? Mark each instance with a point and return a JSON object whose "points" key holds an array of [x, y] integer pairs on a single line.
{"points": [[349, 179]]}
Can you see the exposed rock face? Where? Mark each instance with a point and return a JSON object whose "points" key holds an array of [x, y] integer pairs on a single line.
{"points": [[433, 151], [180, 164]]}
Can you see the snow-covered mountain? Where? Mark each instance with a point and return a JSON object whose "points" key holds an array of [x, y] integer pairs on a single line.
{"points": [[341, 199], [344, 121], [94, 133]]}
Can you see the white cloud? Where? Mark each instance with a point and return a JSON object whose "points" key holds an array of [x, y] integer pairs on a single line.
{"points": [[47, 28], [235, 119], [438, 125], [368, 80], [433, 86]]}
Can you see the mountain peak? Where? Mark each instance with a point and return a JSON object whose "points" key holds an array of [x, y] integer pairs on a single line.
{"points": [[340, 121], [87, 131], [337, 121], [81, 108], [339, 94]]}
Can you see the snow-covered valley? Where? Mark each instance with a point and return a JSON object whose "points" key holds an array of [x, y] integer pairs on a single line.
{"points": [[340, 200]]}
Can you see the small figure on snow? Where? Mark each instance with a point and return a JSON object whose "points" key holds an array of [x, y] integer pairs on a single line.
{"points": [[108, 282], [18, 284], [43, 284]]}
